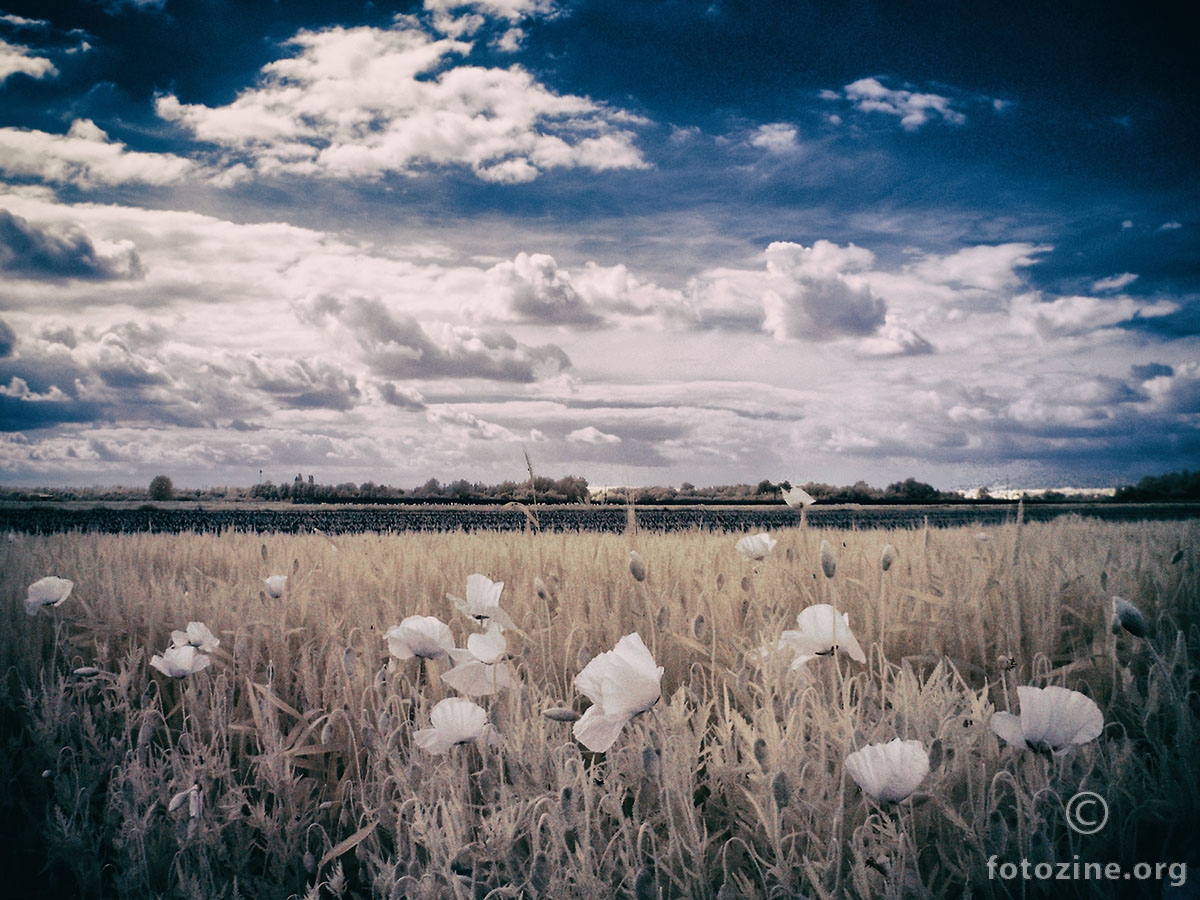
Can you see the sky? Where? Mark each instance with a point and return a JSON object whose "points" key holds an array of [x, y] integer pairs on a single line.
{"points": [[645, 243]]}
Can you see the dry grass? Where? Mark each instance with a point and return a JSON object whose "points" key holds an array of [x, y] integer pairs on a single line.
{"points": [[299, 736]]}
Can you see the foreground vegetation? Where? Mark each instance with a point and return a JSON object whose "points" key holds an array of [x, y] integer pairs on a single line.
{"points": [[288, 767]]}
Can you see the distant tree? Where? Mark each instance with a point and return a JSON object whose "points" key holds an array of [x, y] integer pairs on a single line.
{"points": [[764, 488], [1174, 486], [161, 488], [573, 488], [912, 491]]}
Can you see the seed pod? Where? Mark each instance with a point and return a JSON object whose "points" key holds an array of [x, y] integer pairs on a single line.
{"points": [[1126, 615], [828, 560], [699, 627], [888, 557], [644, 887], [637, 566], [781, 790], [760, 751], [561, 714], [651, 762]]}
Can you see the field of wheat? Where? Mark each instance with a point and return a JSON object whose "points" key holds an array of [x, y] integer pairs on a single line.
{"points": [[298, 762]]}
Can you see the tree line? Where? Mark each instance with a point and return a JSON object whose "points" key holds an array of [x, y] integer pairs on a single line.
{"points": [[1173, 487]]}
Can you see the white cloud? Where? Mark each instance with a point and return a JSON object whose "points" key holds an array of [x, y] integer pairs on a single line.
{"points": [[512, 10], [592, 435], [1170, 226], [365, 102], [470, 425], [533, 288], [812, 297], [992, 268], [894, 339], [778, 137], [1077, 315], [512, 40], [1114, 282], [914, 108], [85, 157], [15, 58]]}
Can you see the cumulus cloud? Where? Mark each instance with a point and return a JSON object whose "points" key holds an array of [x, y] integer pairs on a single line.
{"points": [[402, 397], [470, 424], [814, 295], [18, 59], [366, 102], [85, 157], [397, 345], [592, 435], [303, 384], [913, 108], [895, 339], [533, 288], [54, 252], [1066, 316], [1177, 393], [777, 137], [991, 268]]}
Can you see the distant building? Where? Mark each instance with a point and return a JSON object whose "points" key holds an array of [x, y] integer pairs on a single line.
{"points": [[1017, 493]]}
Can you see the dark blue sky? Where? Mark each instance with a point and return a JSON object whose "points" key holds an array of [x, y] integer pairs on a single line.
{"points": [[645, 242]]}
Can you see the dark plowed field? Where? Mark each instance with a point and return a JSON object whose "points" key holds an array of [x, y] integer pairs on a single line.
{"points": [[47, 519]]}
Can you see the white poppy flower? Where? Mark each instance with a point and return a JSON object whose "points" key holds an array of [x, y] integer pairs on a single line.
{"points": [[179, 662], [480, 668], [483, 601], [798, 498], [890, 771], [822, 631], [479, 679], [620, 683], [1052, 718], [275, 585], [197, 635], [425, 636], [48, 591], [455, 721], [756, 546]]}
